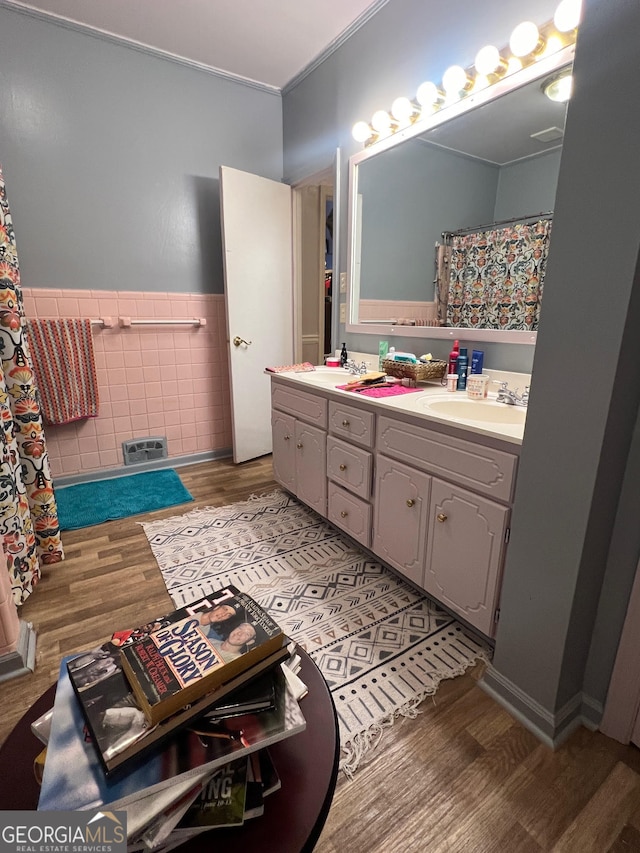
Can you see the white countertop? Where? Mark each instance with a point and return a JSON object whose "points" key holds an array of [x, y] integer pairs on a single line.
{"points": [[433, 403]]}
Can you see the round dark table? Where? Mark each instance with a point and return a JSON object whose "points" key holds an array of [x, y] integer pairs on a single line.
{"points": [[307, 764]]}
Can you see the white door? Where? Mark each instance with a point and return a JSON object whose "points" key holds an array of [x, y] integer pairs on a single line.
{"points": [[257, 250]]}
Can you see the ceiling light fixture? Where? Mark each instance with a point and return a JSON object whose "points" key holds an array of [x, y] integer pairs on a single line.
{"points": [[559, 86]]}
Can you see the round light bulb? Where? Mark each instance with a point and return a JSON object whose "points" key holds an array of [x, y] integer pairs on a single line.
{"points": [[514, 65], [553, 45], [481, 82], [524, 39], [488, 60], [361, 131], [454, 79], [381, 121], [402, 109], [427, 94], [567, 16]]}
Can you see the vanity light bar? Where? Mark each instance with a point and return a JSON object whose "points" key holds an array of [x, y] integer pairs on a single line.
{"points": [[527, 44]]}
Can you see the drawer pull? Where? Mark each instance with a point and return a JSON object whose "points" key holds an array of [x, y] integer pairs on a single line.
{"points": [[346, 423], [299, 445], [287, 437], [411, 502], [344, 513], [441, 516], [343, 467]]}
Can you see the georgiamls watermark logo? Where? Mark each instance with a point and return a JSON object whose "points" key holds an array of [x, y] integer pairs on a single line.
{"points": [[63, 832]]}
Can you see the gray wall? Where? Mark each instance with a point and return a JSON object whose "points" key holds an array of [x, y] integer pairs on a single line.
{"points": [[535, 180], [409, 195], [412, 193], [570, 535], [111, 159]]}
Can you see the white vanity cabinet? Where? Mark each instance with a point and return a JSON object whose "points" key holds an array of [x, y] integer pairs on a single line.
{"points": [[298, 425], [427, 500], [465, 526]]}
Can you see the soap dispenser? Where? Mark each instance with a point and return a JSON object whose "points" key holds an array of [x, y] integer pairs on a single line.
{"points": [[344, 355]]}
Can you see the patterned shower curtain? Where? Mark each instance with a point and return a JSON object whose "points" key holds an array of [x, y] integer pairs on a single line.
{"points": [[496, 277], [29, 529]]}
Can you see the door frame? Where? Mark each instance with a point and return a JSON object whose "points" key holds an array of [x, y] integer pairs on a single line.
{"points": [[327, 181]]}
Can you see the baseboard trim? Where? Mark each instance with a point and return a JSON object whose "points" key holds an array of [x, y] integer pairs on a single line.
{"points": [[553, 729], [150, 465]]}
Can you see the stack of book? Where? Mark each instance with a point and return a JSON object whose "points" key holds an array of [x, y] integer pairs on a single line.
{"points": [[171, 722]]}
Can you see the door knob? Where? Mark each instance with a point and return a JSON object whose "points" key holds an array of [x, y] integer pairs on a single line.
{"points": [[237, 341], [441, 516]]}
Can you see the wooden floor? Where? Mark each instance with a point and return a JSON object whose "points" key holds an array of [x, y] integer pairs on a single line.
{"points": [[462, 776]]}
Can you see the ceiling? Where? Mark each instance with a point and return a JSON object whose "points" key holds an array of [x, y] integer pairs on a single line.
{"points": [[501, 132], [268, 42]]}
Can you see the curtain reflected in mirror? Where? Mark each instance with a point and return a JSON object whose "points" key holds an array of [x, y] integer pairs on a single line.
{"points": [[493, 278]]}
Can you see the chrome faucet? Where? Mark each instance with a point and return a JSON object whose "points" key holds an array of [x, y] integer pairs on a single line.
{"points": [[512, 398], [355, 369]]}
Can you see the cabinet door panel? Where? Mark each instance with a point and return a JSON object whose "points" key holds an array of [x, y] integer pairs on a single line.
{"points": [[284, 459], [400, 517], [465, 553], [311, 466]]}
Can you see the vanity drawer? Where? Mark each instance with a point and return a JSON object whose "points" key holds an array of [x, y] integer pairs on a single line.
{"points": [[308, 407], [349, 466], [482, 469], [353, 424], [350, 513]]}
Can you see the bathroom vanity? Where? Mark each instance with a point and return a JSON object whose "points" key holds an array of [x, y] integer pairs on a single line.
{"points": [[425, 480]]}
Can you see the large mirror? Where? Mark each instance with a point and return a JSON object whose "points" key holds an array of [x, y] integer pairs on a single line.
{"points": [[485, 164]]}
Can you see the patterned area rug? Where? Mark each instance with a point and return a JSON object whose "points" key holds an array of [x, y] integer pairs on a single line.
{"points": [[381, 645]]}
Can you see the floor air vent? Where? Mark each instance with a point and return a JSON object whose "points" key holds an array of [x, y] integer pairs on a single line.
{"points": [[143, 449]]}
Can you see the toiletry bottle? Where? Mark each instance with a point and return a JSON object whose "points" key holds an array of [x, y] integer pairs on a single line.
{"points": [[463, 365], [344, 355], [477, 361], [383, 349], [453, 358]]}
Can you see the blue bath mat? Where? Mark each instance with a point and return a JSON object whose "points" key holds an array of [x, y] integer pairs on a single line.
{"points": [[104, 500]]}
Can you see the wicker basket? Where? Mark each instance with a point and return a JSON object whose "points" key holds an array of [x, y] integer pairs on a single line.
{"points": [[424, 371]]}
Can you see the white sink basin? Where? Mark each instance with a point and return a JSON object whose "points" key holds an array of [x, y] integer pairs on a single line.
{"points": [[476, 411], [327, 377]]}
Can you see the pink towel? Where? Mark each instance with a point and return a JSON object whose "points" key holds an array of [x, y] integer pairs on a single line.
{"points": [[65, 370], [380, 390]]}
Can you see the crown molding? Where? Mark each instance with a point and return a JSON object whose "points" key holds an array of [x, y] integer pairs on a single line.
{"points": [[104, 35], [344, 36]]}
